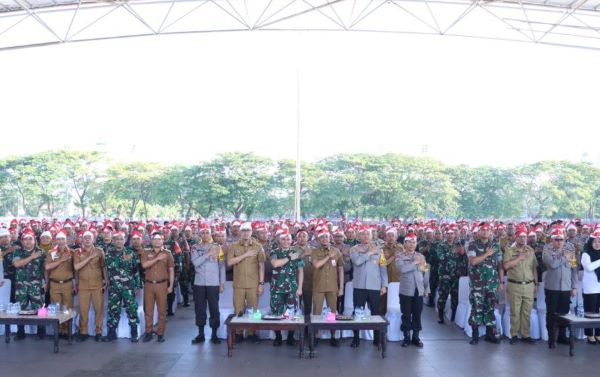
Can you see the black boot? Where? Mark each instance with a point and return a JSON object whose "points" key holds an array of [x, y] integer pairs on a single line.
{"points": [[214, 339], [453, 316], [20, 333], [290, 341], [475, 336], [278, 340], [490, 336], [134, 334], [110, 335], [406, 341], [41, 332], [562, 336], [376, 337], [441, 317], [415, 339], [200, 337]]}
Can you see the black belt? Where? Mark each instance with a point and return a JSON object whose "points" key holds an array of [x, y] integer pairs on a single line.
{"points": [[156, 281], [520, 282], [61, 281]]}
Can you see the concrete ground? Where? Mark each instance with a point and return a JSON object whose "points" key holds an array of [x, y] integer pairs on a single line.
{"points": [[446, 353]]}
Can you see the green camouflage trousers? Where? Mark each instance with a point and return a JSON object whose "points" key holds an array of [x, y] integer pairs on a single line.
{"points": [[483, 302], [281, 301], [447, 286], [119, 296], [30, 293]]}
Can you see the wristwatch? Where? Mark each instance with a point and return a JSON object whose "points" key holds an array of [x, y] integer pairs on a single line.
{"points": [[261, 283]]}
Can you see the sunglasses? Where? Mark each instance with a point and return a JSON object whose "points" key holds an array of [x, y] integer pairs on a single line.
{"points": [[559, 239]]}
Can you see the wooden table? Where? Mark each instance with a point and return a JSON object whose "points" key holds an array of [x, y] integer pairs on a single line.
{"points": [[235, 323], [573, 322], [55, 321], [375, 322]]}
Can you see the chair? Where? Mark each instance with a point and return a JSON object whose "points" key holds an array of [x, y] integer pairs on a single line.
{"points": [[463, 309], [394, 315]]}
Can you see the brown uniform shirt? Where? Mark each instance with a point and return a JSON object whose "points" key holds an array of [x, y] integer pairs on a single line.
{"points": [[65, 270], [159, 270], [90, 276], [325, 279], [392, 269], [525, 270], [246, 273]]}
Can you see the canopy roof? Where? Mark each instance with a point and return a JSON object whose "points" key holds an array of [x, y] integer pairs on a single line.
{"points": [[558, 22]]}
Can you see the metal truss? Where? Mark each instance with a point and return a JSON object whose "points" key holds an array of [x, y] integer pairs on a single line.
{"points": [[571, 23]]}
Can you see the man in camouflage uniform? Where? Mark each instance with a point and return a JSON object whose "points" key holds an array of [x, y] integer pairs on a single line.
{"points": [[286, 282], [184, 276], [187, 279], [438, 238], [486, 275], [173, 246], [122, 267], [451, 263], [7, 249], [29, 266]]}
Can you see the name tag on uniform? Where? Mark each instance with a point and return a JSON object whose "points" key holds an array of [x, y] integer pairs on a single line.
{"points": [[54, 255], [333, 263]]}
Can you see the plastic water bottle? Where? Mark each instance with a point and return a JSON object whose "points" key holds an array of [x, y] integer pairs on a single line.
{"points": [[325, 312], [579, 311]]}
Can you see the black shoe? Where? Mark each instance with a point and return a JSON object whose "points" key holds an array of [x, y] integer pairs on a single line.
{"points": [[170, 314], [415, 339], [528, 340], [198, 339], [490, 336], [453, 316], [475, 338], [147, 337], [20, 335], [110, 336], [254, 338], [564, 341], [134, 334], [430, 301], [406, 341], [160, 338], [551, 344], [513, 340], [440, 317], [41, 333], [215, 340], [290, 341], [82, 337], [239, 338], [63, 336], [98, 337], [355, 343], [334, 342], [277, 342]]}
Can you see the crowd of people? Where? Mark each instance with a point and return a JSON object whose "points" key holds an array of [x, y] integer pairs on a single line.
{"points": [[307, 265]]}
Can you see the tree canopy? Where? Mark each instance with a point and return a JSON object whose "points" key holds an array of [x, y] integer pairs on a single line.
{"points": [[65, 183]]}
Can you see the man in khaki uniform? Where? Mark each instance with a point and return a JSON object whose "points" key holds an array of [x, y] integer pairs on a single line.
{"points": [[521, 266], [60, 275], [391, 249], [328, 277], [91, 277], [159, 275], [248, 260]]}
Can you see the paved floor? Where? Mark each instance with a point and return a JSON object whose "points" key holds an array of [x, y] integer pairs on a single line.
{"points": [[446, 353]]}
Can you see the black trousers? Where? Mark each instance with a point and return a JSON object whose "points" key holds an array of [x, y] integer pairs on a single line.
{"points": [[591, 304], [361, 297], [557, 302], [411, 307], [202, 296]]}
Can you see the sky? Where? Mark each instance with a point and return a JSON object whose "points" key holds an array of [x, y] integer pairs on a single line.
{"points": [[186, 98]]}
